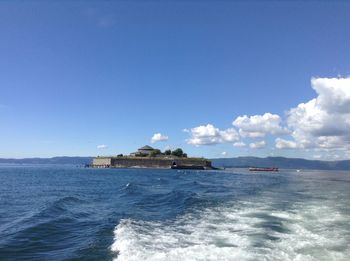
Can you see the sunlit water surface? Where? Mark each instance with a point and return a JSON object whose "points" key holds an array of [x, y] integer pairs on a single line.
{"points": [[66, 212]]}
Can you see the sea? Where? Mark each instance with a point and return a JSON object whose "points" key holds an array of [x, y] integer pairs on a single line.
{"points": [[65, 212]]}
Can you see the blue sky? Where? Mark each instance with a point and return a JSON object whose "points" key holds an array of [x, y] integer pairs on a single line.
{"points": [[78, 74]]}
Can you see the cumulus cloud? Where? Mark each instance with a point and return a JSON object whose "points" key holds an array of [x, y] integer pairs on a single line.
{"points": [[239, 144], [257, 145], [159, 137], [320, 125], [333, 94], [285, 144], [324, 121], [224, 153], [102, 146], [259, 125], [209, 135], [229, 135]]}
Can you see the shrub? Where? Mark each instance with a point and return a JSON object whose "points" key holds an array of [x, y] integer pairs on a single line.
{"points": [[155, 152]]}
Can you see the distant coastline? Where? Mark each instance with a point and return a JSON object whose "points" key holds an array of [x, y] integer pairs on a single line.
{"points": [[280, 162], [238, 162], [54, 160]]}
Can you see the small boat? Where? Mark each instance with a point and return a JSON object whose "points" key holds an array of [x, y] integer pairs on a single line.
{"points": [[187, 167], [263, 169]]}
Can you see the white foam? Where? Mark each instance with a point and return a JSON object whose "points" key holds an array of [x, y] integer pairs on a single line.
{"points": [[235, 232]]}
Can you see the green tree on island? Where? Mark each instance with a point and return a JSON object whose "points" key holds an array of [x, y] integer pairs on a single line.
{"points": [[167, 152], [155, 152], [178, 152]]}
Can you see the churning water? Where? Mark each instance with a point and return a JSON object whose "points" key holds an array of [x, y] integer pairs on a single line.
{"points": [[66, 213]]}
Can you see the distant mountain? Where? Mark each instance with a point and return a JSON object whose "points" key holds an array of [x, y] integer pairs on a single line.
{"points": [[239, 162], [54, 160], [280, 162]]}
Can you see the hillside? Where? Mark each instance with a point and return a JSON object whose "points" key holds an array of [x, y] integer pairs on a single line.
{"points": [[281, 162], [239, 162], [54, 160]]}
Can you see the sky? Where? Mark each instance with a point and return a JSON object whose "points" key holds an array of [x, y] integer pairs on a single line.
{"points": [[216, 78]]}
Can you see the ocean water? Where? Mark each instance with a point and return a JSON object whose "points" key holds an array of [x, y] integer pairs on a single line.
{"points": [[72, 213]]}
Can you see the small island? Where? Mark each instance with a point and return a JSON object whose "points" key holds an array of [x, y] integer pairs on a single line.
{"points": [[148, 157]]}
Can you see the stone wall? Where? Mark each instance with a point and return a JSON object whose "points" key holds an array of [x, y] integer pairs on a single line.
{"points": [[140, 162], [102, 161]]}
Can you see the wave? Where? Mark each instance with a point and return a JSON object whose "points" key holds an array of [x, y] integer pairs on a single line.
{"points": [[40, 236], [52, 217], [244, 231]]}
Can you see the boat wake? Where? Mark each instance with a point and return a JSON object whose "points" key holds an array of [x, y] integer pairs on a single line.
{"points": [[244, 231]]}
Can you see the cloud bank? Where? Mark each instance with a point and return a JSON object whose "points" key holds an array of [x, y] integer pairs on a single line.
{"points": [[323, 122], [320, 124]]}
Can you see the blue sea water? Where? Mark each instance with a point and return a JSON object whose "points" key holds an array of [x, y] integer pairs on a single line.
{"points": [[71, 213]]}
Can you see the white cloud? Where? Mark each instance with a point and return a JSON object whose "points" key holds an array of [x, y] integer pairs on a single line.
{"points": [[239, 144], [259, 125], [159, 137], [224, 153], [229, 135], [102, 146], [257, 145], [285, 144], [333, 94], [209, 135], [323, 122], [320, 125]]}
